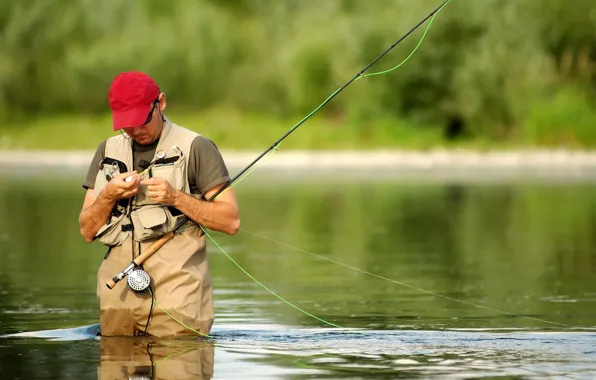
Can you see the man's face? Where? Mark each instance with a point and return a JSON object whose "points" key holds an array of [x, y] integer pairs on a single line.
{"points": [[150, 131]]}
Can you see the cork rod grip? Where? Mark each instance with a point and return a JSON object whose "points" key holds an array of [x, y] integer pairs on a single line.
{"points": [[110, 284], [153, 248]]}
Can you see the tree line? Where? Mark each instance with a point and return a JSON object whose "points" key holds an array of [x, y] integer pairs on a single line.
{"points": [[496, 68]]}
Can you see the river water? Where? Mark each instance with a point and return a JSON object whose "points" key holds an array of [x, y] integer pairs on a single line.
{"points": [[422, 278]]}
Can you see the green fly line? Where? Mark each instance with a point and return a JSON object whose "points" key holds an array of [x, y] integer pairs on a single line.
{"points": [[176, 319], [266, 288], [276, 148], [407, 285]]}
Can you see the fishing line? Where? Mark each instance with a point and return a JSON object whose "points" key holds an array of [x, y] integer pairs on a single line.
{"points": [[176, 319], [266, 288], [407, 285], [413, 51], [275, 146]]}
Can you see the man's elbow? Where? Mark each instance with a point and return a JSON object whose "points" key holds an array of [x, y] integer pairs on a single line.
{"points": [[234, 227], [85, 233], [87, 236]]}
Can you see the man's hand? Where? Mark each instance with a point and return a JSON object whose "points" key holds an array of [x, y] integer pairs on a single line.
{"points": [[160, 191], [119, 187], [96, 210]]}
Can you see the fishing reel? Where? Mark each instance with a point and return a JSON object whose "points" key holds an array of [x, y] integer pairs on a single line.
{"points": [[138, 280]]}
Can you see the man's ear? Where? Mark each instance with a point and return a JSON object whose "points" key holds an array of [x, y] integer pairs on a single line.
{"points": [[162, 102]]}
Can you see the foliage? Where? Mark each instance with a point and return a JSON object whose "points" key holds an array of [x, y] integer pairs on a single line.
{"points": [[487, 64]]}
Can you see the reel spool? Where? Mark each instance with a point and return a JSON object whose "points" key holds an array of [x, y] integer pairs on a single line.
{"points": [[139, 280]]}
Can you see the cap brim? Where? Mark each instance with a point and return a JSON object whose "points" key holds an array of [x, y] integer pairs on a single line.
{"points": [[130, 118]]}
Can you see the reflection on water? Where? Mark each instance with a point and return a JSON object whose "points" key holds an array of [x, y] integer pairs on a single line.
{"points": [[137, 359], [516, 249]]}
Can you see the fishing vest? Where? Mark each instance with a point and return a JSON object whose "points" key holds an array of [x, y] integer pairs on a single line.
{"points": [[139, 215]]}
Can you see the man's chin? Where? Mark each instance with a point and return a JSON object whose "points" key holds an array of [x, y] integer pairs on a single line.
{"points": [[143, 140]]}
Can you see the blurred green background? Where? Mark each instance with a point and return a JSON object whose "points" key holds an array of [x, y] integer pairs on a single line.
{"points": [[491, 73]]}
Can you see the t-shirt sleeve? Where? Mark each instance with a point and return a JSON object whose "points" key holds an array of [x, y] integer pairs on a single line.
{"points": [[94, 166], [207, 168]]}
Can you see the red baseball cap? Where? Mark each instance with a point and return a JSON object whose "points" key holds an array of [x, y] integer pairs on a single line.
{"points": [[131, 98]]}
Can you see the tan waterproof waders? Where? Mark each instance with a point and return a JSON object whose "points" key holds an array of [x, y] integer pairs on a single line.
{"points": [[180, 282]]}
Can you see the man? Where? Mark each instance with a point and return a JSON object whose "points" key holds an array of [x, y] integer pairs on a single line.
{"points": [[153, 178]]}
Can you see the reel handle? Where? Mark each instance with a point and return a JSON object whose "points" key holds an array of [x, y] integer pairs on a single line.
{"points": [[139, 260]]}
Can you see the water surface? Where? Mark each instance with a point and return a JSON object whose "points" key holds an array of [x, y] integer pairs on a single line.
{"points": [[480, 279]]}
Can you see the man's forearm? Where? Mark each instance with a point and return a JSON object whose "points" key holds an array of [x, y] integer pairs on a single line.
{"points": [[95, 216], [219, 216]]}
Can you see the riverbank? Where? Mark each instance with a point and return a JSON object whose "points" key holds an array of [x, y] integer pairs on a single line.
{"points": [[316, 167], [382, 159]]}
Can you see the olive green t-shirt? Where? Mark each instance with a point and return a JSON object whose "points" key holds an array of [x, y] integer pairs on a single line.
{"points": [[206, 167]]}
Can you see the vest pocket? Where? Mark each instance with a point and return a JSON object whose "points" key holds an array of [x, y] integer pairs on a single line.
{"points": [[149, 221], [172, 171], [111, 233]]}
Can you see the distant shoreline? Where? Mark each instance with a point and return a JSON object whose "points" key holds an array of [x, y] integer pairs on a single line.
{"points": [[387, 159]]}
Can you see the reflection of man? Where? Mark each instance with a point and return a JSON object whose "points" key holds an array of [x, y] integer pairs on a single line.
{"points": [[127, 211], [125, 358]]}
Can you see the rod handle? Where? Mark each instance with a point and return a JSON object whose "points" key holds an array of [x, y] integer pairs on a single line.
{"points": [[153, 248], [110, 284]]}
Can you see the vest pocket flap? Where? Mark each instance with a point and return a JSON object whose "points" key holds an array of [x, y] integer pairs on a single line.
{"points": [[151, 217]]}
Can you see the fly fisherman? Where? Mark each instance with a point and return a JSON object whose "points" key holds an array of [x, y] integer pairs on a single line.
{"points": [[126, 208]]}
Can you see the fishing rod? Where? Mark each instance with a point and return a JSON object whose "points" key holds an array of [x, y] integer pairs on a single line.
{"points": [[275, 144], [138, 280]]}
